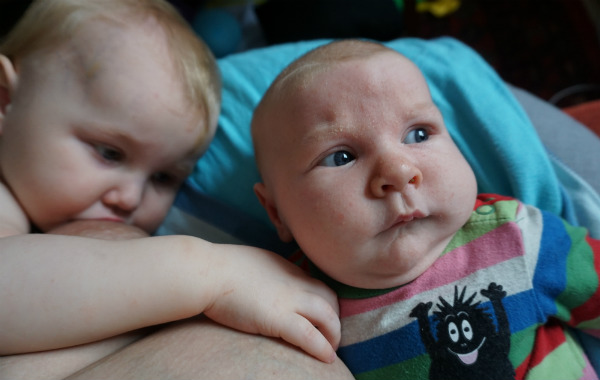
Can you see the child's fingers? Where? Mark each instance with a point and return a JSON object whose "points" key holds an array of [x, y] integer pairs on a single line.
{"points": [[324, 292], [306, 336], [321, 315]]}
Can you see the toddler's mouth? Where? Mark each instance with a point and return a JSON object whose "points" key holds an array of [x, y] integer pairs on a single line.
{"points": [[104, 219]]}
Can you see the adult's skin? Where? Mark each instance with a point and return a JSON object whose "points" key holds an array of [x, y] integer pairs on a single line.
{"points": [[202, 349], [195, 348]]}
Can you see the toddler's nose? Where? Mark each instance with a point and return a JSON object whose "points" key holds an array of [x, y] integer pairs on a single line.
{"points": [[126, 196]]}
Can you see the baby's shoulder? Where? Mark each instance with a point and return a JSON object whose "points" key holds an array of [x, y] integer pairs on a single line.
{"points": [[13, 220]]}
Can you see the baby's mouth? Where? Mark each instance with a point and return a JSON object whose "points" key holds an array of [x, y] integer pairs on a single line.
{"points": [[404, 219]]}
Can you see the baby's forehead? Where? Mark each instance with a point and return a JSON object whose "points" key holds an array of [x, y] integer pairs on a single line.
{"points": [[390, 83], [310, 84], [317, 75]]}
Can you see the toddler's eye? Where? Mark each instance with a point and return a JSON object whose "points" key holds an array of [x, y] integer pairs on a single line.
{"points": [[164, 179], [109, 154], [416, 136], [338, 158]]}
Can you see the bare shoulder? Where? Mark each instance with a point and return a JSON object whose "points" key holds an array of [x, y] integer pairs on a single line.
{"points": [[202, 349], [13, 220]]}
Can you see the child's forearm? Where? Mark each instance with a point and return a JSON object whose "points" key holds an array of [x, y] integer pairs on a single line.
{"points": [[58, 291]]}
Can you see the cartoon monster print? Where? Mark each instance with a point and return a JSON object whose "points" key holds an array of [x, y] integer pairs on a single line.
{"points": [[468, 345]]}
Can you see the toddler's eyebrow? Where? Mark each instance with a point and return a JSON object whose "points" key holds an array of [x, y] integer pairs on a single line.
{"points": [[119, 135], [115, 135]]}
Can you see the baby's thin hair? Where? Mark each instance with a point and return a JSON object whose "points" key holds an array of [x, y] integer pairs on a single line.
{"points": [[325, 56]]}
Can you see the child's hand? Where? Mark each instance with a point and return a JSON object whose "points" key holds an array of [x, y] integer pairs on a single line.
{"points": [[265, 294]]}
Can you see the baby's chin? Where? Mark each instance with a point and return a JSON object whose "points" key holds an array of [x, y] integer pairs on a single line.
{"points": [[389, 273], [99, 229], [384, 281]]}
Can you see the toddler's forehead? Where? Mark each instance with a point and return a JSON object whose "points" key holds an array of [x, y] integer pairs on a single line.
{"points": [[98, 44]]}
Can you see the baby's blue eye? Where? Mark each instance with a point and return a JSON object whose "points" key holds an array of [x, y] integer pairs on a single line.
{"points": [[338, 158], [416, 136]]}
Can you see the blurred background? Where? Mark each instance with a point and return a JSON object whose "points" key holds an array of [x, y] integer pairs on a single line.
{"points": [[550, 48]]}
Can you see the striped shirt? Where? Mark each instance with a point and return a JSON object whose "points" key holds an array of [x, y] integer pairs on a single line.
{"points": [[495, 305]]}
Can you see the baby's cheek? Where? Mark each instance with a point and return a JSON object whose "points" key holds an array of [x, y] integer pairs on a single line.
{"points": [[339, 219]]}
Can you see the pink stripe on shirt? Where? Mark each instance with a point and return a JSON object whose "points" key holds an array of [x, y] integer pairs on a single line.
{"points": [[492, 248]]}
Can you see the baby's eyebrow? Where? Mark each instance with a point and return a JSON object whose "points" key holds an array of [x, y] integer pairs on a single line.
{"points": [[426, 110], [324, 131]]}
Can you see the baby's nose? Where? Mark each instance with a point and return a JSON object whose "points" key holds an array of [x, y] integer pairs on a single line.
{"points": [[394, 176]]}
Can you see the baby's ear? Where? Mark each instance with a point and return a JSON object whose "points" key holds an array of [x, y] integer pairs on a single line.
{"points": [[265, 199], [8, 83]]}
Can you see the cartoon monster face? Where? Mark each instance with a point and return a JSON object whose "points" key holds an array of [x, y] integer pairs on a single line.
{"points": [[463, 327], [469, 344], [460, 337]]}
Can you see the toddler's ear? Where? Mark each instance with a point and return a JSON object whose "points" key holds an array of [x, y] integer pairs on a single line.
{"points": [[268, 203], [8, 83]]}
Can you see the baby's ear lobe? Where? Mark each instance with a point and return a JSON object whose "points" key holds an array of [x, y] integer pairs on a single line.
{"points": [[8, 83], [267, 202]]}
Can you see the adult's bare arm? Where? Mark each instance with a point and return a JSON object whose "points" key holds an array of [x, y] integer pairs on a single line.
{"points": [[202, 349], [100, 229]]}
